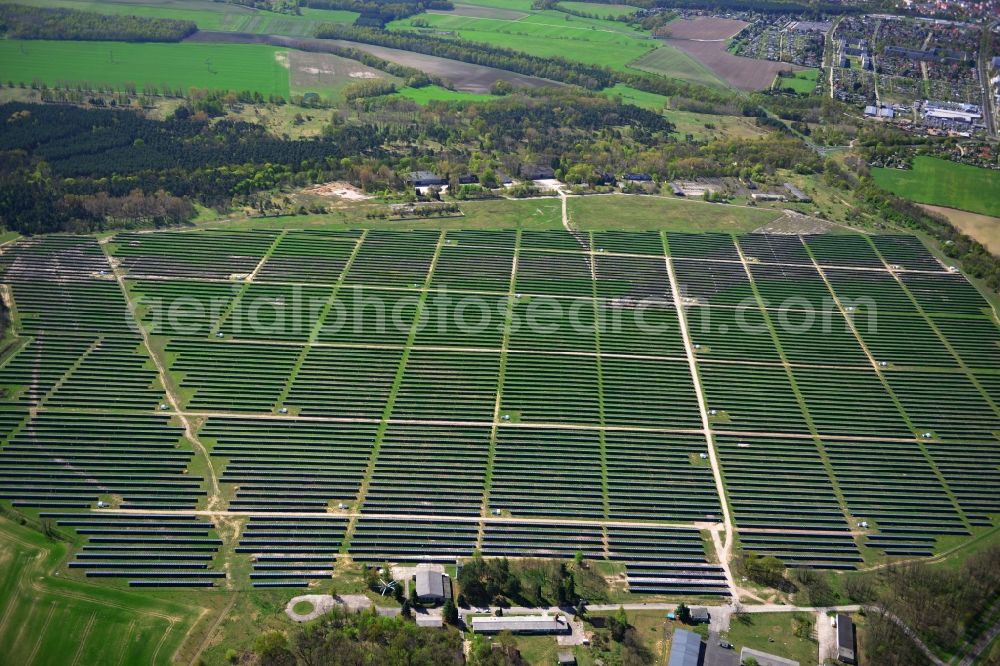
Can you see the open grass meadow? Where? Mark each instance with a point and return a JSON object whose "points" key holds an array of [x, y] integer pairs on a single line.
{"points": [[803, 82], [629, 95], [429, 94], [545, 34], [218, 16], [943, 183], [55, 620], [635, 213], [600, 9], [216, 66], [785, 634]]}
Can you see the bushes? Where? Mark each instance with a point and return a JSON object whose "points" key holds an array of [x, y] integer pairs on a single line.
{"points": [[767, 570], [342, 638]]}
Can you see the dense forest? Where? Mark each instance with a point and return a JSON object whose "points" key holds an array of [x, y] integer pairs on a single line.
{"points": [[216, 161], [21, 22], [944, 606]]}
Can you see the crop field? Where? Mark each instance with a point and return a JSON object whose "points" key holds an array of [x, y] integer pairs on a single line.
{"points": [[216, 66], [211, 15], [54, 620], [381, 394], [667, 60], [744, 73], [943, 183], [600, 9]]}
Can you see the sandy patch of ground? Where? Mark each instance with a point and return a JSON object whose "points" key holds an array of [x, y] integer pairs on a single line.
{"points": [[322, 604], [983, 228], [338, 189], [282, 58]]}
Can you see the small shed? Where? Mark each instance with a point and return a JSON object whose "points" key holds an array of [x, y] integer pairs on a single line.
{"points": [[845, 640], [699, 615]]}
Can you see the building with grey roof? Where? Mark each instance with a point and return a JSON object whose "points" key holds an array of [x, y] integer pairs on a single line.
{"points": [[686, 649], [433, 587], [521, 624], [845, 640]]}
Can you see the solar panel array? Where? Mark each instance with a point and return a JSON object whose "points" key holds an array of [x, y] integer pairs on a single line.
{"points": [[423, 395]]}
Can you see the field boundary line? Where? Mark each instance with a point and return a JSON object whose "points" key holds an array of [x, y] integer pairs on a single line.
{"points": [[940, 336], [444, 518], [892, 393], [602, 433], [793, 383], [41, 634], [498, 404], [725, 554], [267, 255], [208, 635], [83, 638], [390, 401], [215, 495], [70, 370], [317, 328]]}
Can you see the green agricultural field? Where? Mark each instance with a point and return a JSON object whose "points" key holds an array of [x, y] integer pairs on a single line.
{"points": [[600, 9], [629, 95], [48, 620], [218, 16], [429, 94], [943, 183], [545, 34], [672, 62], [803, 82], [216, 66], [516, 5], [632, 213]]}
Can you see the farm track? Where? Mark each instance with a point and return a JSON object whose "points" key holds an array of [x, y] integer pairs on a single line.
{"points": [[189, 430], [466, 77]]}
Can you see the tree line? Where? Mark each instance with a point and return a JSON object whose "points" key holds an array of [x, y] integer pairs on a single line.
{"points": [[376, 13], [21, 22], [591, 77]]}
